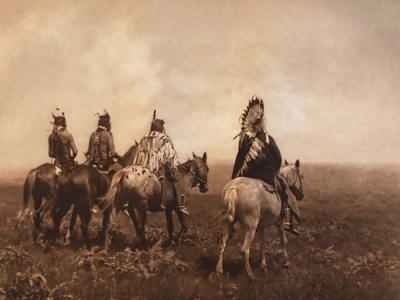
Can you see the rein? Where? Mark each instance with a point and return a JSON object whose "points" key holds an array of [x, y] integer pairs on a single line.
{"points": [[190, 172], [298, 177]]}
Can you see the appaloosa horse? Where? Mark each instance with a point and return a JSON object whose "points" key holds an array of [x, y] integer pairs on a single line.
{"points": [[247, 201], [141, 190]]}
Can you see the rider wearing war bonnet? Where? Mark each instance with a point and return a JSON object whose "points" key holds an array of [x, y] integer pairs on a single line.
{"points": [[156, 152], [259, 156], [101, 148], [61, 143]]}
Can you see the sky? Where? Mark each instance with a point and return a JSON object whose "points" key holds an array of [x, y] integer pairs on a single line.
{"points": [[327, 70]]}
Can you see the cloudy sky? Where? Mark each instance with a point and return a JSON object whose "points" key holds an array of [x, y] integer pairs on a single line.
{"points": [[328, 71]]}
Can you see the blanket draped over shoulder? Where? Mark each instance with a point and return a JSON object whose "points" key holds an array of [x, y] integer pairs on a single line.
{"points": [[156, 151]]}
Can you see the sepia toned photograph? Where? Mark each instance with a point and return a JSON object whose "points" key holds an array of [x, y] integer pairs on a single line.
{"points": [[198, 149]]}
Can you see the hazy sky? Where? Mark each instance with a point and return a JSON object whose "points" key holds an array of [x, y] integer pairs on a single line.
{"points": [[328, 71]]}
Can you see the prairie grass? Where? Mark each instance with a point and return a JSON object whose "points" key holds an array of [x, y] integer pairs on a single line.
{"points": [[348, 248]]}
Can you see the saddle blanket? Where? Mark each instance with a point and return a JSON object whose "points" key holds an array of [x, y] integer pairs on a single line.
{"points": [[268, 187]]}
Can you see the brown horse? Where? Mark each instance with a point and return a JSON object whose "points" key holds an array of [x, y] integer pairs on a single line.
{"points": [[247, 201], [81, 187], [141, 189], [41, 187]]}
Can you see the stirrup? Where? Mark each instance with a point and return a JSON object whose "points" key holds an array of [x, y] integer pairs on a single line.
{"points": [[290, 228], [184, 210]]}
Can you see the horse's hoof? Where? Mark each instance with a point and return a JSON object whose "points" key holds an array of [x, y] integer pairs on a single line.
{"points": [[264, 269], [219, 270], [252, 277], [286, 264]]}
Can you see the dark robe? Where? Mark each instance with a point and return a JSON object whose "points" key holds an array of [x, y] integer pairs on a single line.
{"points": [[267, 167]]}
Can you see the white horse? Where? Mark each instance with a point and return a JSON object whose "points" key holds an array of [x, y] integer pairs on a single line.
{"points": [[246, 200]]}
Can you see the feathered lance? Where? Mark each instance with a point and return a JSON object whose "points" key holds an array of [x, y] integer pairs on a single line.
{"points": [[154, 118]]}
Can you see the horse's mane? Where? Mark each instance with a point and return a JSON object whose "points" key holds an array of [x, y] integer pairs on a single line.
{"points": [[185, 166], [131, 149], [288, 172]]}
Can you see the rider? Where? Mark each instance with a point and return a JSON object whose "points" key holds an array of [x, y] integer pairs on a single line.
{"points": [[101, 144], [61, 142], [259, 156], [156, 152]]}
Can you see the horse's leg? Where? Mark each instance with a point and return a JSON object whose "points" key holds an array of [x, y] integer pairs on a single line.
{"points": [[248, 240], [85, 214], [139, 232], [106, 219], [170, 224], [37, 200], [225, 235], [182, 220], [58, 212], [71, 226], [263, 249], [284, 241], [142, 219]]}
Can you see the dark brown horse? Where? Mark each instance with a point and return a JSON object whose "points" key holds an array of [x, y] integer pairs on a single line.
{"points": [[41, 187], [81, 187], [141, 190]]}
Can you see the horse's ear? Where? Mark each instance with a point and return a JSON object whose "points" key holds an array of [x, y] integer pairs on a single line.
{"points": [[136, 143], [194, 155], [205, 157], [286, 163], [54, 117], [297, 164]]}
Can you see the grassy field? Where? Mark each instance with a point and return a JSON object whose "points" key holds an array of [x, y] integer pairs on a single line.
{"points": [[348, 248]]}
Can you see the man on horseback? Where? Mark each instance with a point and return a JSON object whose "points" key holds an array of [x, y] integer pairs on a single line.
{"points": [[101, 148], [156, 152], [259, 156], [61, 142]]}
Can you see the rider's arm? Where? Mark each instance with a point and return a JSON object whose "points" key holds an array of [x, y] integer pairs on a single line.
{"points": [[90, 144], [110, 143], [276, 153], [72, 145], [51, 150], [243, 150]]}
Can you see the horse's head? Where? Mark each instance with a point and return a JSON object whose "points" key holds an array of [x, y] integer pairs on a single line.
{"points": [[201, 172], [293, 178]]}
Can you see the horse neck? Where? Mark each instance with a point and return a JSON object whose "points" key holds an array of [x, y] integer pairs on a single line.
{"points": [[128, 157], [186, 172], [288, 173]]}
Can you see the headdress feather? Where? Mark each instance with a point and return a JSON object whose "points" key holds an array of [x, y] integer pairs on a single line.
{"points": [[252, 122]]}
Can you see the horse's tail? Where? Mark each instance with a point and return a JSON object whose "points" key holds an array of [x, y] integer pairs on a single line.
{"points": [[28, 186], [229, 202], [65, 183], [108, 199]]}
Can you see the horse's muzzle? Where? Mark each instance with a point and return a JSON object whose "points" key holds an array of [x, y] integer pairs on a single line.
{"points": [[203, 188], [298, 194]]}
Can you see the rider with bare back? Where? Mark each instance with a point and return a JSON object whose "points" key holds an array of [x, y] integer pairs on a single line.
{"points": [[61, 143], [259, 157], [101, 144]]}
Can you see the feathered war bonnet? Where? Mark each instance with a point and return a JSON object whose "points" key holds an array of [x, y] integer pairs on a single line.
{"points": [[59, 118], [104, 120], [253, 119]]}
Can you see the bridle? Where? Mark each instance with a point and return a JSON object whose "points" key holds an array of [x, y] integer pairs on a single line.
{"points": [[301, 185], [194, 175]]}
